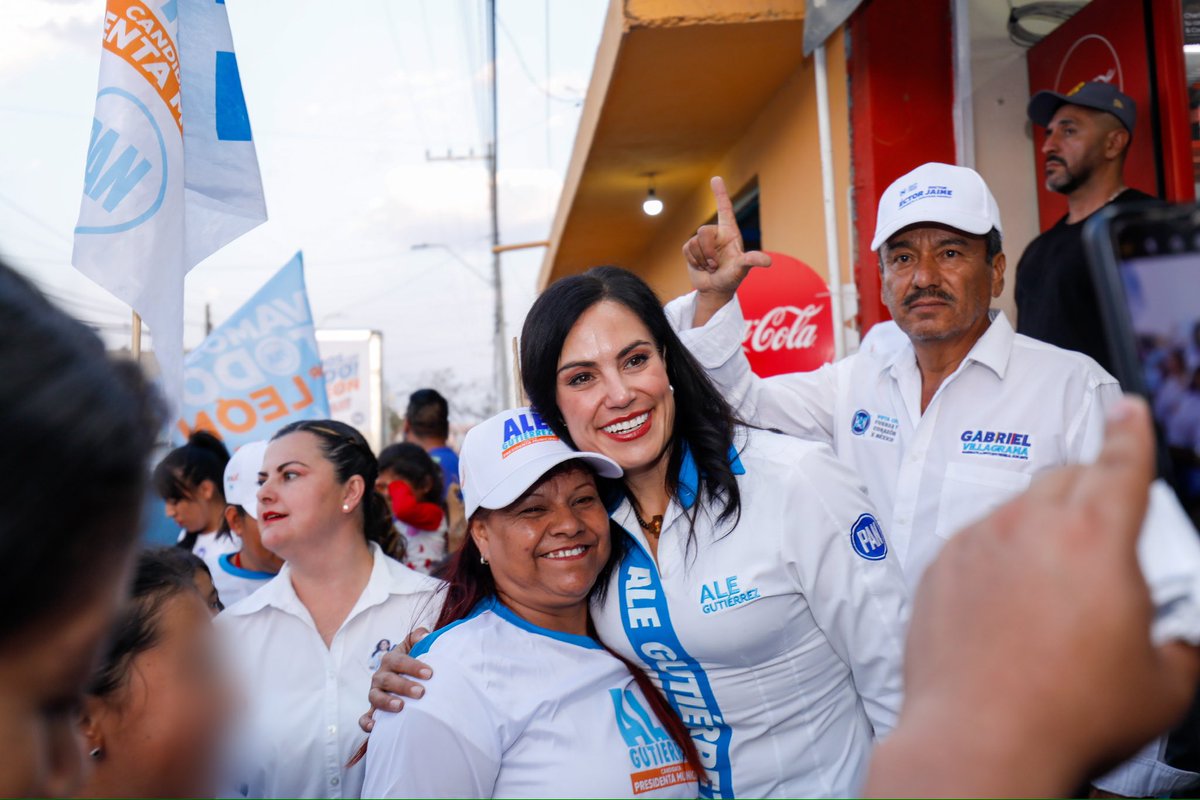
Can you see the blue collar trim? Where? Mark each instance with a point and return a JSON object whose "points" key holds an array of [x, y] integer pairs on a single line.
{"points": [[504, 612], [227, 565], [689, 475]]}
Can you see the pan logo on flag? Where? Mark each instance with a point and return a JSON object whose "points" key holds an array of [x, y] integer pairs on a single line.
{"points": [[125, 180], [277, 356]]}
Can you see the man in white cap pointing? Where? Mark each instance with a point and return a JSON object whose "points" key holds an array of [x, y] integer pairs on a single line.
{"points": [[937, 405], [945, 412]]}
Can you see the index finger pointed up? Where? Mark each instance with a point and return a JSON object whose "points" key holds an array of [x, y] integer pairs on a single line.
{"points": [[724, 204]]}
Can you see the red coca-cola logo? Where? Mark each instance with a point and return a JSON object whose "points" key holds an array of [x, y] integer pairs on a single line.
{"points": [[789, 326]]}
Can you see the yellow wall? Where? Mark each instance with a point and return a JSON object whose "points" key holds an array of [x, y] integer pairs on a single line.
{"points": [[781, 148]]}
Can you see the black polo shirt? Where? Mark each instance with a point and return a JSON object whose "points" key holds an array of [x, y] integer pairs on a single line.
{"points": [[1056, 297]]}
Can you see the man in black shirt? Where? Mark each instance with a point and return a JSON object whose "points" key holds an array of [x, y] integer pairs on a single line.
{"points": [[1088, 131]]}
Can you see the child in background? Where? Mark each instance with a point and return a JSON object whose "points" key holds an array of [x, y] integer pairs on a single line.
{"points": [[238, 575], [191, 564], [190, 481], [412, 481]]}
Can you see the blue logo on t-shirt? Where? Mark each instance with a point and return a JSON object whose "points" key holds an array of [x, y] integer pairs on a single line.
{"points": [[867, 538], [861, 422]]}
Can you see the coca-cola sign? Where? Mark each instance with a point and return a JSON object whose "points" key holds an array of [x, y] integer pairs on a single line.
{"points": [[789, 326]]}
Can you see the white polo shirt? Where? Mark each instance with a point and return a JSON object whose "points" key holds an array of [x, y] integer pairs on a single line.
{"points": [[303, 699], [516, 710], [1014, 407], [779, 641]]}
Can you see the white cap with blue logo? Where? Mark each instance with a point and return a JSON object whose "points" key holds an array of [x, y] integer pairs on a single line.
{"points": [[241, 476], [937, 193], [503, 456]]}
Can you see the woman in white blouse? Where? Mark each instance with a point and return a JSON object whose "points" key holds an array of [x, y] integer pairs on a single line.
{"points": [[302, 645]]}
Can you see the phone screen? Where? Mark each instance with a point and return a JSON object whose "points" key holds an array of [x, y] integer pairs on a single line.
{"points": [[1160, 274]]}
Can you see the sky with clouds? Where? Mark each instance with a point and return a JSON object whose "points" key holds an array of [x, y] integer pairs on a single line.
{"points": [[346, 100]]}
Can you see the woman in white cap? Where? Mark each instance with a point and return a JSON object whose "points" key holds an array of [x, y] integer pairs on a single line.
{"points": [[525, 702], [756, 586], [239, 574], [301, 645]]}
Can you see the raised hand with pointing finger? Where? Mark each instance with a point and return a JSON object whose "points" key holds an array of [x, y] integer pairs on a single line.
{"points": [[717, 260]]}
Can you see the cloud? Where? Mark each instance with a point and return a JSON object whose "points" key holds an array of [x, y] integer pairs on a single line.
{"points": [[35, 31]]}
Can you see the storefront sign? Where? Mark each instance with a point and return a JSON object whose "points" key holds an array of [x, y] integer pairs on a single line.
{"points": [[1105, 41], [789, 325]]}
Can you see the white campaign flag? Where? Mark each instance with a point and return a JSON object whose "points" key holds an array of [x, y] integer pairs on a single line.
{"points": [[171, 173]]}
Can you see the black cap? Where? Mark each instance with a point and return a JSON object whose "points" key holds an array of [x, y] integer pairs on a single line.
{"points": [[1092, 94]]}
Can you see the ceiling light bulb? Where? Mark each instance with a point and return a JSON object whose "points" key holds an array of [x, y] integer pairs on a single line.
{"points": [[652, 205]]}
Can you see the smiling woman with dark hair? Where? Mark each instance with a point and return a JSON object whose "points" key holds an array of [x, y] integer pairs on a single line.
{"points": [[755, 564], [527, 702], [756, 585]]}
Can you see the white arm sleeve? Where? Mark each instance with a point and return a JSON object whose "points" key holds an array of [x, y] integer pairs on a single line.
{"points": [[443, 745], [860, 604], [1168, 547], [799, 403], [1169, 554]]}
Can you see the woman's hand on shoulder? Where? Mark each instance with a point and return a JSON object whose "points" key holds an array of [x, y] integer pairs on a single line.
{"points": [[398, 677]]}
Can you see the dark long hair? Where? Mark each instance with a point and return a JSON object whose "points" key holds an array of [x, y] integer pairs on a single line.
{"points": [[74, 421], [469, 582], [346, 449], [161, 573], [180, 473], [704, 422]]}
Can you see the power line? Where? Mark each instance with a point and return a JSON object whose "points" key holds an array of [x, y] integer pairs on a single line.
{"points": [[433, 57], [529, 73], [41, 223], [412, 102], [546, 28]]}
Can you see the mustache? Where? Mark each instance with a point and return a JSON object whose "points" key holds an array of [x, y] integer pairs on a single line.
{"points": [[1056, 159], [925, 294]]}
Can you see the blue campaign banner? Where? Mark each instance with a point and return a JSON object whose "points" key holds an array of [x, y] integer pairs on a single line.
{"points": [[259, 370]]}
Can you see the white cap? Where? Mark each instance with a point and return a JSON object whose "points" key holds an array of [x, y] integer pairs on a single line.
{"points": [[505, 455], [940, 193], [241, 476]]}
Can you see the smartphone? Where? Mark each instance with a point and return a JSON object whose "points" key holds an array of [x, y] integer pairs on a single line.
{"points": [[1145, 260]]}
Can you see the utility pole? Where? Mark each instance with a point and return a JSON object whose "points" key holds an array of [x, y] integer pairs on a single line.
{"points": [[501, 373]]}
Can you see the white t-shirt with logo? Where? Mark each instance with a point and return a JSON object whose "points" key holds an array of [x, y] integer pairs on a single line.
{"points": [[516, 710], [779, 642], [303, 699]]}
